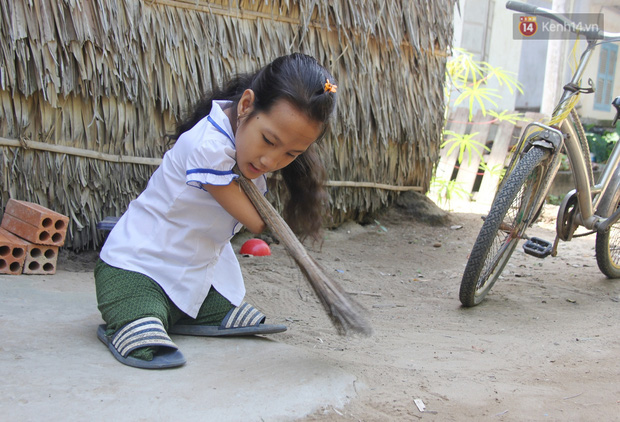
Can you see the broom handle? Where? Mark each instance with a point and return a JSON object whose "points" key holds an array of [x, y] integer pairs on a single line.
{"points": [[345, 314], [274, 221]]}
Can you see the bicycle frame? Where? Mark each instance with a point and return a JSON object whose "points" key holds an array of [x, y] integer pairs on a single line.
{"points": [[588, 194], [584, 190]]}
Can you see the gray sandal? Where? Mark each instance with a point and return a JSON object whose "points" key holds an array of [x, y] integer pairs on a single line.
{"points": [[144, 332], [244, 320]]}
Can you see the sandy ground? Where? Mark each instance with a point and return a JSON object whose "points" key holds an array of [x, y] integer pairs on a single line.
{"points": [[543, 346]]}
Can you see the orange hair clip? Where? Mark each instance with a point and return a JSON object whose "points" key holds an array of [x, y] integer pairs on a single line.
{"points": [[330, 87]]}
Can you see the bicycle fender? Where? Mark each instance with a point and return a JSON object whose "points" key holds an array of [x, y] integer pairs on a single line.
{"points": [[549, 139]]}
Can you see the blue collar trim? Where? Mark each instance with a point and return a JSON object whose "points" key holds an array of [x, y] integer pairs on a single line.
{"points": [[219, 128]]}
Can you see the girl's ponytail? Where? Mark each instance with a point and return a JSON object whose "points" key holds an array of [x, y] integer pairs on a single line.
{"points": [[308, 203]]}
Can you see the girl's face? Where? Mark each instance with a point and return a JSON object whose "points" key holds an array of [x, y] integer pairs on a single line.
{"points": [[267, 142]]}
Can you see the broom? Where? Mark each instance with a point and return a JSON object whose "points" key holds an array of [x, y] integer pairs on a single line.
{"points": [[343, 311]]}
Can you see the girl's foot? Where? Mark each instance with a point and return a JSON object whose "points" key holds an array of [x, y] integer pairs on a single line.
{"points": [[148, 338], [244, 320]]}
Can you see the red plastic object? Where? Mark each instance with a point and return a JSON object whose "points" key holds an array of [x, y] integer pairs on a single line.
{"points": [[255, 247]]}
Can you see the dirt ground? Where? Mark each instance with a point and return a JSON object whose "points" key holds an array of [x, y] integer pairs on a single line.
{"points": [[543, 345]]}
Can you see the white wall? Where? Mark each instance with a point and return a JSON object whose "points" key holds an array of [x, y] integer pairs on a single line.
{"points": [[611, 24], [504, 51]]}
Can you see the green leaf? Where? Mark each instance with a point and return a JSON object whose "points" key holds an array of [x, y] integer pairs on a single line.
{"points": [[465, 143], [504, 77], [476, 94], [446, 190], [497, 170], [509, 117]]}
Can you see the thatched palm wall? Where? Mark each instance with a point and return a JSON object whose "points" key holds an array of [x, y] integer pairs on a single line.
{"points": [[113, 77]]}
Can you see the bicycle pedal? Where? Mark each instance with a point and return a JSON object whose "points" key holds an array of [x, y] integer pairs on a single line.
{"points": [[537, 247]]}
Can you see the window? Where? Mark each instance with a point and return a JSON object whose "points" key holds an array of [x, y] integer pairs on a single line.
{"points": [[605, 78]]}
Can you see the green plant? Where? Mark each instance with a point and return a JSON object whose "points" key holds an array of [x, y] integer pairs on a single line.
{"points": [[497, 170], [601, 141], [504, 115], [469, 79], [446, 190], [554, 199], [564, 163], [464, 142]]}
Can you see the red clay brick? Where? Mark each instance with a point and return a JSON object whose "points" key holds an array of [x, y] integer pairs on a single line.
{"points": [[35, 223], [41, 259], [12, 253], [34, 214]]}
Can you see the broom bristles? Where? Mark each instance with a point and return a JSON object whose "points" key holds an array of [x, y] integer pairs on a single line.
{"points": [[345, 313]]}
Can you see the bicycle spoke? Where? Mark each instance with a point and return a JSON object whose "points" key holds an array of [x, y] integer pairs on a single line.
{"points": [[507, 233], [497, 248]]}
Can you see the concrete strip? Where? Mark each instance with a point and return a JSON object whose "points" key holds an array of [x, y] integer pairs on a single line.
{"points": [[53, 367]]}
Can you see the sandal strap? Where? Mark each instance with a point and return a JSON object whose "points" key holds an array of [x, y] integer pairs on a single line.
{"points": [[143, 332], [245, 315]]}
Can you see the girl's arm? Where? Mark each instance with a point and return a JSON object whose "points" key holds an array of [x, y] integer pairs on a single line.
{"points": [[232, 198]]}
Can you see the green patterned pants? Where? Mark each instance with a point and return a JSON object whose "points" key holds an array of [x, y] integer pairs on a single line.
{"points": [[125, 296]]}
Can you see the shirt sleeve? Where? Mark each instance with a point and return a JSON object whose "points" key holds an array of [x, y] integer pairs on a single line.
{"points": [[211, 163]]}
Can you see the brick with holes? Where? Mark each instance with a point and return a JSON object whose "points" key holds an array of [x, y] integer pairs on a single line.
{"points": [[12, 253], [35, 223], [40, 259]]}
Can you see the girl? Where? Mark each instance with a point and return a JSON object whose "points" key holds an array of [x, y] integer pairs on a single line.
{"points": [[168, 265]]}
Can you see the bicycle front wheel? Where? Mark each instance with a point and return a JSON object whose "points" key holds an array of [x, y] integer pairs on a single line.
{"points": [[514, 208]]}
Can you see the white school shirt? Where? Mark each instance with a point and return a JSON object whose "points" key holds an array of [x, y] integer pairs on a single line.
{"points": [[175, 232]]}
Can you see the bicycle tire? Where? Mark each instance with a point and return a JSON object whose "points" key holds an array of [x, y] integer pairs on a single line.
{"points": [[494, 245], [608, 244]]}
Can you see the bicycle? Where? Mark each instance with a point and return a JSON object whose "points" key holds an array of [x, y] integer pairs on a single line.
{"points": [[535, 161]]}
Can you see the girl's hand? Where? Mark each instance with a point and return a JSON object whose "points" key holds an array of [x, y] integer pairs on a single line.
{"points": [[232, 198]]}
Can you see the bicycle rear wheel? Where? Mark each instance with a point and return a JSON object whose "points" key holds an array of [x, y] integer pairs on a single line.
{"points": [[608, 243], [514, 208], [608, 251]]}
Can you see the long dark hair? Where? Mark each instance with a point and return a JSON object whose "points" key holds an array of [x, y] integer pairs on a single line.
{"points": [[300, 80]]}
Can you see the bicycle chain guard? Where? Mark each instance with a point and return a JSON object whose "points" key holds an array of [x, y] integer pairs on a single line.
{"points": [[565, 223]]}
